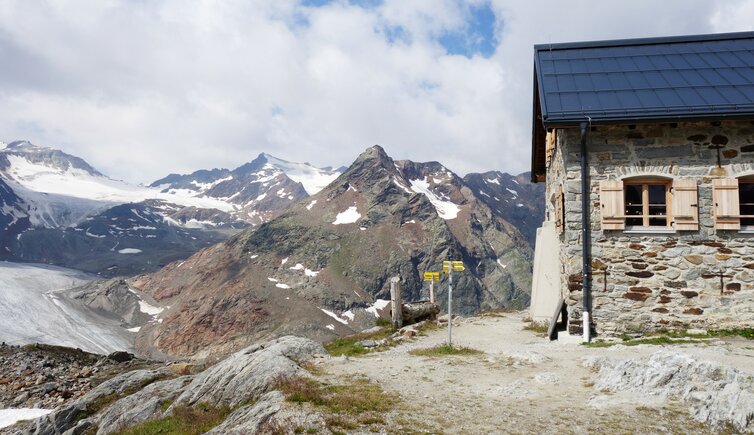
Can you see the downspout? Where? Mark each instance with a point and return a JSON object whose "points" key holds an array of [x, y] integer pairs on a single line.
{"points": [[586, 239]]}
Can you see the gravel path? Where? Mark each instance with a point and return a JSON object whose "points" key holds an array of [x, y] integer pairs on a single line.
{"points": [[524, 383]]}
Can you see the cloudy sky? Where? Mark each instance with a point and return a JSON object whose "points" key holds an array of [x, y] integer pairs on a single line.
{"points": [[141, 88]]}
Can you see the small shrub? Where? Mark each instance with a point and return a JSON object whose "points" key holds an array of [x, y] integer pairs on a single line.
{"points": [[445, 350], [183, 421]]}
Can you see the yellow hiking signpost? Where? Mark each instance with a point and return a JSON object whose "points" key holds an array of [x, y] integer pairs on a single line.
{"points": [[431, 277], [448, 267]]}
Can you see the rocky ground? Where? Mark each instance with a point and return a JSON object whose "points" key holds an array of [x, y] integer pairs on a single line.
{"points": [[44, 376], [514, 381], [522, 383]]}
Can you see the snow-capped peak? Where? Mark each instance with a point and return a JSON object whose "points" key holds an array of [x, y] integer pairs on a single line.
{"points": [[312, 178]]}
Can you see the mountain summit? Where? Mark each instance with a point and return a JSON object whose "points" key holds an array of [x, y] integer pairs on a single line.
{"points": [[321, 269]]}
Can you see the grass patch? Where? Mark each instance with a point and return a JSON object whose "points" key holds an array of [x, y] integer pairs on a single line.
{"points": [[538, 327], [358, 403], [183, 421], [661, 340], [445, 350], [747, 333], [349, 346]]}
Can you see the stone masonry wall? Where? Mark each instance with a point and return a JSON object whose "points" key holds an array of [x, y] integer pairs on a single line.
{"points": [[657, 281]]}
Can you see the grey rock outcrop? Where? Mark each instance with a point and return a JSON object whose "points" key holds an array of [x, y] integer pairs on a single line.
{"points": [[248, 419], [138, 396], [72, 418], [141, 406], [718, 394], [249, 373]]}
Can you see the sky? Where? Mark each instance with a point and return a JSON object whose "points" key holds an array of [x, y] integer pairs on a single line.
{"points": [[143, 88]]}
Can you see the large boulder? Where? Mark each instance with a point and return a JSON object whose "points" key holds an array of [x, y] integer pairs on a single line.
{"points": [[719, 395], [249, 373]]}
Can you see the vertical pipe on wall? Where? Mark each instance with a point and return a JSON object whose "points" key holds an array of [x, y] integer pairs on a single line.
{"points": [[586, 238]]}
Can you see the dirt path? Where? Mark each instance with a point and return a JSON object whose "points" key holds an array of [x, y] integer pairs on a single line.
{"points": [[523, 383]]}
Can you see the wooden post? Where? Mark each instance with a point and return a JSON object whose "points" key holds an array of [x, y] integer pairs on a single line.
{"points": [[432, 291], [396, 302]]}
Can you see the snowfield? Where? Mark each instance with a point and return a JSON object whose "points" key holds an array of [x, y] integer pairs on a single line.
{"points": [[351, 215], [33, 310], [445, 209]]}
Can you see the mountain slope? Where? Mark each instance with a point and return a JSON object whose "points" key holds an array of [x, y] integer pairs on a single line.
{"points": [[334, 253], [513, 197]]}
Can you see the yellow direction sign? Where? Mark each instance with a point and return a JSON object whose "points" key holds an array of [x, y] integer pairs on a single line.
{"points": [[457, 266], [431, 276]]}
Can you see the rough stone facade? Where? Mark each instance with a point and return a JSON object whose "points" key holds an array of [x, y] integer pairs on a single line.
{"points": [[641, 281]]}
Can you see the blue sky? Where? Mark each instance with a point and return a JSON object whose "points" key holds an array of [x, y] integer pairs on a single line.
{"points": [[143, 89]]}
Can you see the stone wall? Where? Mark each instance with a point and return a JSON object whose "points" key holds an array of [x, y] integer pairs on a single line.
{"points": [[645, 282]]}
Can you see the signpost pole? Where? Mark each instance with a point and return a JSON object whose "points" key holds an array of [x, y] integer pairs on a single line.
{"points": [[432, 291], [450, 302]]}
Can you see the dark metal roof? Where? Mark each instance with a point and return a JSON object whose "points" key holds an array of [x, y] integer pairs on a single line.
{"points": [[640, 80]]}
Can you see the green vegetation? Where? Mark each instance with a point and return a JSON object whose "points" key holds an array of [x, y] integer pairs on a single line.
{"points": [[183, 421], [539, 328], [350, 346], [747, 333], [349, 406], [445, 350], [665, 337]]}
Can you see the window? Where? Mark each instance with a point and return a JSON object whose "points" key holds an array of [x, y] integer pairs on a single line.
{"points": [[646, 203], [746, 202], [649, 204]]}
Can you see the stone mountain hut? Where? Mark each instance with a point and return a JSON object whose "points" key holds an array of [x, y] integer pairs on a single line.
{"points": [[646, 148]]}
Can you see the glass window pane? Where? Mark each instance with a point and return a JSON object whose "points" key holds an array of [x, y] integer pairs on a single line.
{"points": [[656, 194], [658, 222], [633, 194], [634, 221], [746, 200]]}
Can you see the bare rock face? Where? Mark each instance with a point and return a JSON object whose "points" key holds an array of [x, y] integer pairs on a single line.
{"points": [[138, 396], [249, 373], [139, 407], [73, 416], [718, 394]]}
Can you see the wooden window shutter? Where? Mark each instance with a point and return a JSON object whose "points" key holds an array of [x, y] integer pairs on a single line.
{"points": [[550, 141], [725, 203], [685, 205], [559, 206], [612, 210]]}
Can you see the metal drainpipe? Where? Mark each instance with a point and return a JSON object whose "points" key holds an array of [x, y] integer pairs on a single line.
{"points": [[586, 233]]}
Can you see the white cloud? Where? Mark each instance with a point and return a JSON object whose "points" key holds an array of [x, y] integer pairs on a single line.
{"points": [[140, 89]]}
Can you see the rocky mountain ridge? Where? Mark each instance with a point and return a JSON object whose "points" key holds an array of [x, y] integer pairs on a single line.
{"points": [[56, 208], [321, 268]]}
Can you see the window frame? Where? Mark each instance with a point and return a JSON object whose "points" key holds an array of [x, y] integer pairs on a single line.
{"points": [[645, 183], [748, 179]]}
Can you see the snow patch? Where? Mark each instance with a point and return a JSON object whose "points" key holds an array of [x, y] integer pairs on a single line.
{"points": [[501, 264], [378, 305], [281, 285], [283, 261], [271, 279], [149, 309], [513, 192], [129, 251], [347, 217], [331, 327], [254, 256], [405, 189], [445, 209], [311, 204], [334, 316], [493, 180], [311, 273], [298, 266], [10, 416], [135, 329]]}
